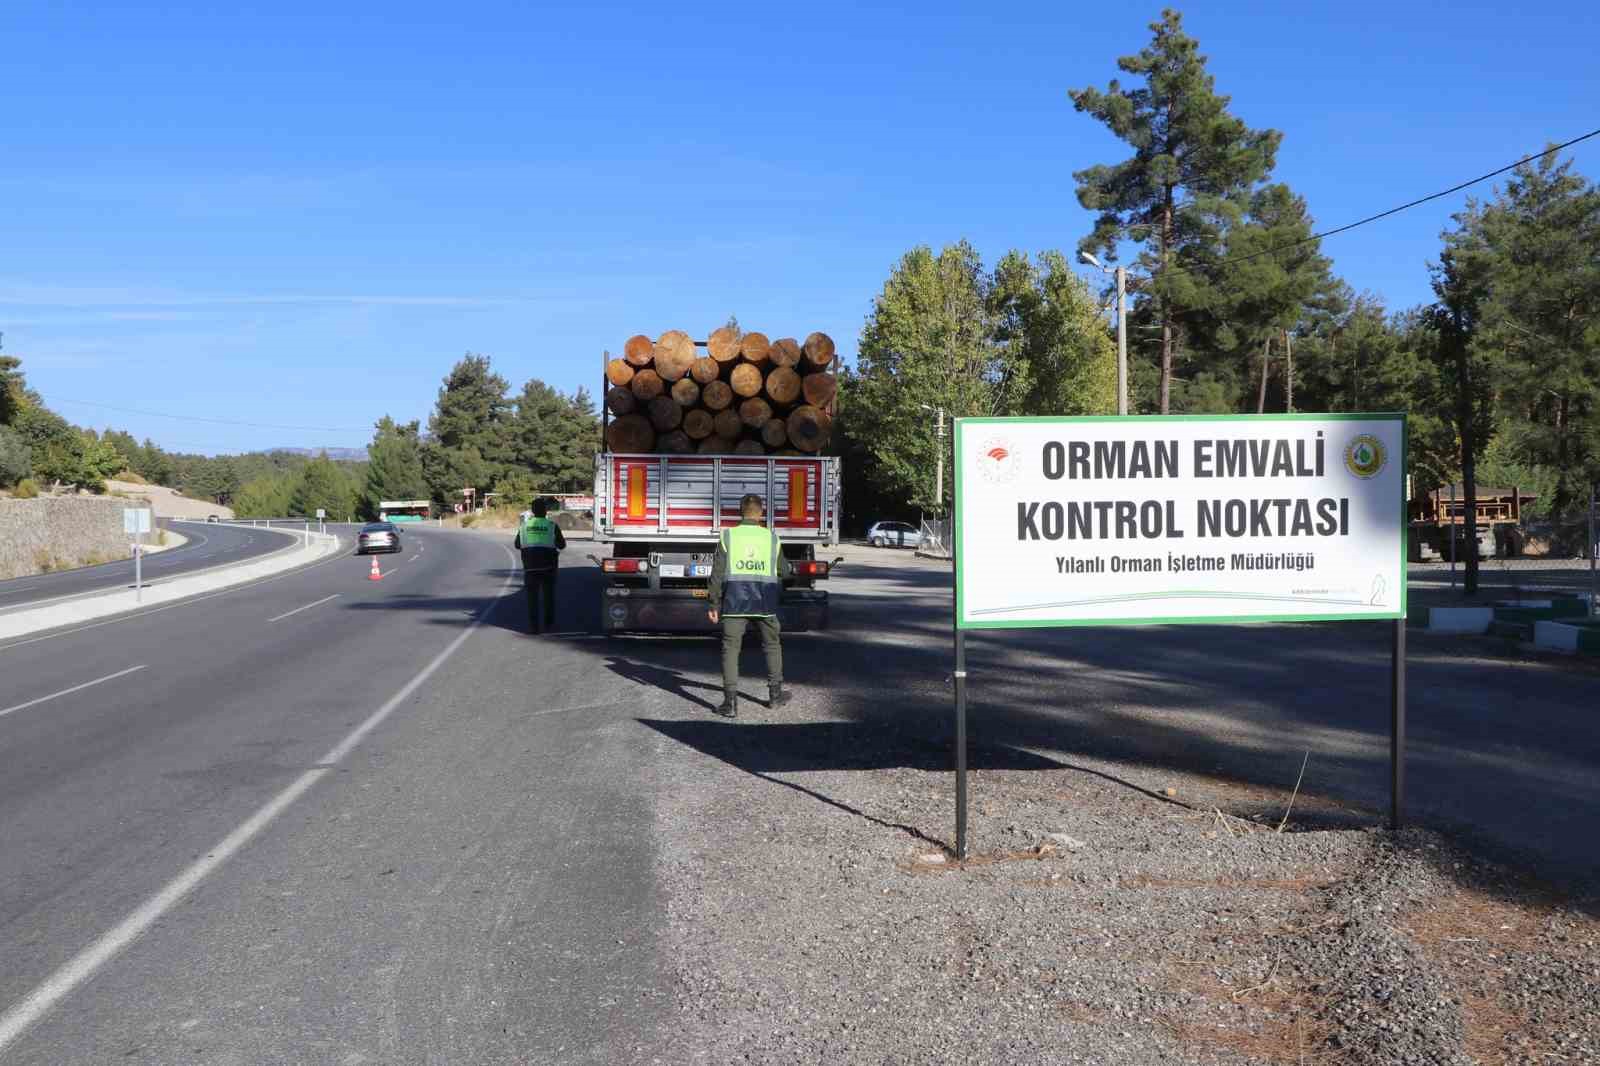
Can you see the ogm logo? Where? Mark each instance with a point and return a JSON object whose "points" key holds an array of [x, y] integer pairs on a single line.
{"points": [[997, 460], [1365, 456]]}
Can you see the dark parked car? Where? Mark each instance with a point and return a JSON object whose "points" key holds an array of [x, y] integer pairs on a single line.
{"points": [[378, 537]]}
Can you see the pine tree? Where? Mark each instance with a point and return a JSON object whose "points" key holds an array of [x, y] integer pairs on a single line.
{"points": [[323, 485], [394, 466], [1190, 176]]}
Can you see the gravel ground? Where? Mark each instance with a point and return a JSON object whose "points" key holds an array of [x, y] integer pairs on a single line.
{"points": [[1108, 914]]}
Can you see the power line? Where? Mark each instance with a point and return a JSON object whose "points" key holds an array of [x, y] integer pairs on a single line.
{"points": [[1393, 210], [214, 421]]}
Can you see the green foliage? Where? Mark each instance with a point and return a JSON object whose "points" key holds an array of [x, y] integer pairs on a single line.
{"points": [[265, 497], [324, 484], [553, 438], [1189, 179], [394, 466], [26, 489], [1044, 318], [16, 461]]}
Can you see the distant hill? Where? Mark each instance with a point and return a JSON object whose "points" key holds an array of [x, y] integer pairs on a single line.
{"points": [[338, 455]]}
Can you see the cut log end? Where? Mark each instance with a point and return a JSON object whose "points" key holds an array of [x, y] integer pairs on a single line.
{"points": [[754, 348], [646, 386], [820, 389], [746, 380], [619, 371], [749, 447], [621, 401], [727, 424], [675, 443], [723, 344], [717, 395], [755, 412], [686, 392], [775, 434], [716, 446], [698, 423], [674, 354], [705, 370], [665, 413], [819, 350], [809, 429], [786, 352], [783, 385], [631, 434], [639, 350]]}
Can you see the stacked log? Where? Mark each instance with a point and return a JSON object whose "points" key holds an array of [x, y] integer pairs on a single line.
{"points": [[733, 393]]}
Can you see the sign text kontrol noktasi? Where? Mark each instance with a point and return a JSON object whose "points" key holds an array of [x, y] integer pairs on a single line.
{"points": [[1220, 517]]}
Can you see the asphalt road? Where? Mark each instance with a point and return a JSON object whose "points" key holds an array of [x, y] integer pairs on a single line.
{"points": [[325, 819], [349, 821], [208, 545]]}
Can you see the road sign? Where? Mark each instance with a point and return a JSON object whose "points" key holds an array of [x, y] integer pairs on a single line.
{"points": [[1119, 521], [322, 512], [135, 520]]}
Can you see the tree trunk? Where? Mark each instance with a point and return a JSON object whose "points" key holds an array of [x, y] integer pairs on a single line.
{"points": [[819, 390], [716, 395], [646, 386], [639, 350], [1165, 310], [686, 392], [755, 412], [1469, 464], [619, 371], [754, 348], [1288, 372], [783, 385], [1266, 365], [620, 401]]}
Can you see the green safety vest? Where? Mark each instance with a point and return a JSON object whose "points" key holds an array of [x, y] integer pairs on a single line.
{"points": [[538, 533], [751, 586]]}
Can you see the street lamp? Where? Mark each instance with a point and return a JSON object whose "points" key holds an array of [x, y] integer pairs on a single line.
{"points": [[1121, 277], [938, 491]]}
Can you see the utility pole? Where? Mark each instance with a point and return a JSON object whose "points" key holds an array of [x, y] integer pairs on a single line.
{"points": [[938, 436], [1288, 371]]}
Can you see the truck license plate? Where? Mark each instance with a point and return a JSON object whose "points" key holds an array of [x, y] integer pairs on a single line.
{"points": [[700, 570], [671, 569]]}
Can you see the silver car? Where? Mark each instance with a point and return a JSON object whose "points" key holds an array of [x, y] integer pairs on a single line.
{"points": [[378, 537], [894, 534]]}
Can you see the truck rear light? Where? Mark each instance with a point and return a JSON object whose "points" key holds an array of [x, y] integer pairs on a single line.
{"points": [[622, 566], [811, 569]]}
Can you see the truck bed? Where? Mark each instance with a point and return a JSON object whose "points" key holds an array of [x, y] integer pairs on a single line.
{"points": [[681, 498]]}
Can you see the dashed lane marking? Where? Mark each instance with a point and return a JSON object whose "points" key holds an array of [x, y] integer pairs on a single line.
{"points": [[70, 691]]}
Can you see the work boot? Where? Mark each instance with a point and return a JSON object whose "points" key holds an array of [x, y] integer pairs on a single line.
{"points": [[729, 708], [776, 697]]}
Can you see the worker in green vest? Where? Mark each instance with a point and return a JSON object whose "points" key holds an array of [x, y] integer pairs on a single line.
{"points": [[541, 542], [747, 575]]}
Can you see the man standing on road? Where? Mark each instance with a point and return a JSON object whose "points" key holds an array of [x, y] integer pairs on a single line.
{"points": [[541, 542], [747, 575]]}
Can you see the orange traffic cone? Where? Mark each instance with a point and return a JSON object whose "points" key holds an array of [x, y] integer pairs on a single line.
{"points": [[374, 574]]}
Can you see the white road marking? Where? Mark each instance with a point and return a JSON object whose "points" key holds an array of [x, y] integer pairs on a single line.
{"points": [[307, 607], [82, 966], [70, 691]]}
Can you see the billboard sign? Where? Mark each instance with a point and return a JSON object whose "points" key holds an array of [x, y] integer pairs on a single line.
{"points": [[1139, 520]]}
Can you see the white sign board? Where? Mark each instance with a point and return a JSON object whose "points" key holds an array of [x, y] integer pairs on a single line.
{"points": [[1145, 520], [322, 512], [135, 520]]}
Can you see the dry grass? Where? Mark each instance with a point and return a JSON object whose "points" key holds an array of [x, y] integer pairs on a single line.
{"points": [[1300, 883], [1279, 1019]]}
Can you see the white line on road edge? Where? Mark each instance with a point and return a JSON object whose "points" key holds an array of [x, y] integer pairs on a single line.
{"points": [[17, 1020], [70, 691], [307, 607]]}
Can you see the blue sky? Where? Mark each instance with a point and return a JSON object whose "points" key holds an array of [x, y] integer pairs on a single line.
{"points": [[302, 215]]}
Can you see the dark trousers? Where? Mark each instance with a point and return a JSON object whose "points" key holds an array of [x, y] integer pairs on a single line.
{"points": [[733, 636], [540, 584]]}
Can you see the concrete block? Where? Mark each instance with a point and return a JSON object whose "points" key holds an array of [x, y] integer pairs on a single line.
{"points": [[1556, 636], [1460, 619]]}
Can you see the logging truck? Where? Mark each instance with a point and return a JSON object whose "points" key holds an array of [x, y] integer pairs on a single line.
{"points": [[687, 436]]}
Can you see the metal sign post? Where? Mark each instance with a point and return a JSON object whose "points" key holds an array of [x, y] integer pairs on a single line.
{"points": [[1145, 520], [136, 522]]}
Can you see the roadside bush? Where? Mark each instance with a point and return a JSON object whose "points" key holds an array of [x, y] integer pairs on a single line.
{"points": [[467, 520], [16, 462], [26, 489]]}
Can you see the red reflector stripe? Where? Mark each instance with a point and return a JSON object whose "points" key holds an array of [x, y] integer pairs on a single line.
{"points": [[620, 566]]}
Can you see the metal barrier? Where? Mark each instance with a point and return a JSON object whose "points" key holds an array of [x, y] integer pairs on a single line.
{"points": [[937, 538]]}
